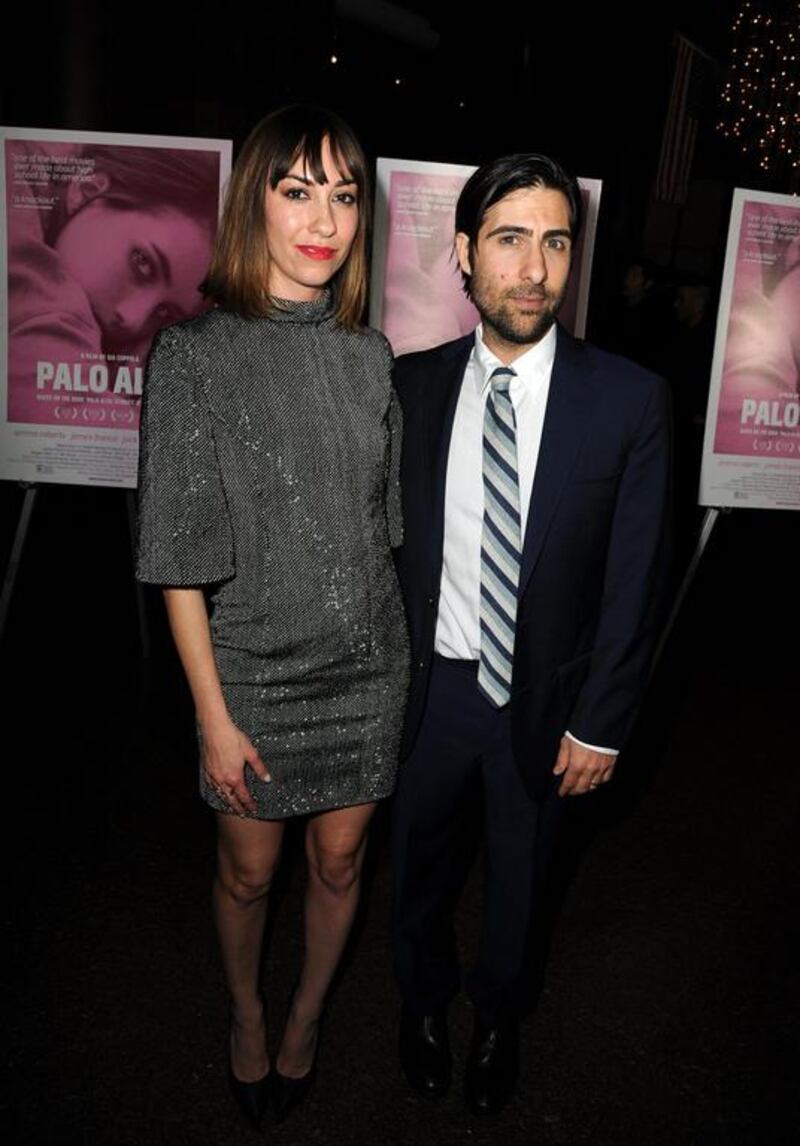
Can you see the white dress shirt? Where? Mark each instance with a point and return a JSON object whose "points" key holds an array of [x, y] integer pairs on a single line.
{"points": [[458, 633]]}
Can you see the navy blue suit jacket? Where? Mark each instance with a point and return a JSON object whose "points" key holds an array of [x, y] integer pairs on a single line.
{"points": [[594, 553]]}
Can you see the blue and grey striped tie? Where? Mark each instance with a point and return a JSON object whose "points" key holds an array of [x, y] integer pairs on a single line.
{"points": [[501, 541]]}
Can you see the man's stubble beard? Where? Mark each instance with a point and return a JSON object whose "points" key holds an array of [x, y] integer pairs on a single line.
{"points": [[517, 330]]}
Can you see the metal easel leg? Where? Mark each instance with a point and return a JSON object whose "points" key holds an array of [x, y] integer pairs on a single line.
{"points": [[706, 529], [12, 569]]}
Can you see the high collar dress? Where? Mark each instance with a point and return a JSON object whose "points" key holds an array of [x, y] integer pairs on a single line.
{"points": [[269, 476]]}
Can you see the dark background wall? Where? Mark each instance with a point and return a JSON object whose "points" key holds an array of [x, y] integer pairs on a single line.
{"points": [[589, 85], [669, 1016], [417, 80]]}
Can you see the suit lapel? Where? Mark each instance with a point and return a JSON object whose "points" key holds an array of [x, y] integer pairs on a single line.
{"points": [[442, 394], [568, 416]]}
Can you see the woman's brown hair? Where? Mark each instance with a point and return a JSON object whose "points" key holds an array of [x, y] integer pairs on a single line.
{"points": [[240, 261]]}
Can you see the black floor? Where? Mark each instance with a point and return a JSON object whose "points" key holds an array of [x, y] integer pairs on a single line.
{"points": [[670, 1010]]}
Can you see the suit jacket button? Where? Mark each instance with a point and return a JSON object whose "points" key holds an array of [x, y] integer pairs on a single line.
{"points": [[431, 601], [422, 664]]}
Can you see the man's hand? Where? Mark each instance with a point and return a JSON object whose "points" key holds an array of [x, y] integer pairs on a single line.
{"points": [[582, 768]]}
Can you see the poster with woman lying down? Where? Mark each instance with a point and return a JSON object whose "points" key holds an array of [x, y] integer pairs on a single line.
{"points": [[751, 451], [104, 239]]}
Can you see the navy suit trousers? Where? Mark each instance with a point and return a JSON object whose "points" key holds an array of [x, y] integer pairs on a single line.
{"points": [[463, 750]]}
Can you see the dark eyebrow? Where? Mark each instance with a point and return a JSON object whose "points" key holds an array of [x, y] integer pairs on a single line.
{"points": [[556, 232], [506, 230], [163, 264], [311, 182]]}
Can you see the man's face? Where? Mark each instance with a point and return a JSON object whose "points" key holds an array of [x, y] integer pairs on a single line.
{"points": [[519, 266], [634, 282]]}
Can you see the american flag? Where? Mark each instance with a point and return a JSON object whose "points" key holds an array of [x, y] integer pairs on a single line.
{"points": [[680, 126]]}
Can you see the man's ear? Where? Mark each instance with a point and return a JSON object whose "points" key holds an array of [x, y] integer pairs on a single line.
{"points": [[79, 193], [462, 252]]}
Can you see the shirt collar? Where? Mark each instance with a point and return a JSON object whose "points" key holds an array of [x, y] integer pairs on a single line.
{"points": [[534, 363]]}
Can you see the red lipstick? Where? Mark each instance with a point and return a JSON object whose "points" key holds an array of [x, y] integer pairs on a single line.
{"points": [[321, 253]]}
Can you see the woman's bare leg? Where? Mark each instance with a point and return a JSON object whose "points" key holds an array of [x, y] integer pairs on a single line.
{"points": [[247, 855], [335, 845]]}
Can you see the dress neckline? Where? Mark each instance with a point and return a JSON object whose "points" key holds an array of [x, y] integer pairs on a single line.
{"points": [[288, 310]]}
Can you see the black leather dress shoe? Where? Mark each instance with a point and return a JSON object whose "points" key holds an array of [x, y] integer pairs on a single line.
{"points": [[492, 1067], [424, 1049]]}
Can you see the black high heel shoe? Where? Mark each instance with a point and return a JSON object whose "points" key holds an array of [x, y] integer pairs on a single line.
{"points": [[252, 1098], [288, 1093]]}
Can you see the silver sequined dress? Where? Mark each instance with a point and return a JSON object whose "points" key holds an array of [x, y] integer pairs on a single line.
{"points": [[269, 474]]}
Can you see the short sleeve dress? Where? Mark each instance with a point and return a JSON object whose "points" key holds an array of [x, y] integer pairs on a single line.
{"points": [[269, 474]]}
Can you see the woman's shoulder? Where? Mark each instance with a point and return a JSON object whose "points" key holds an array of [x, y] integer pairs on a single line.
{"points": [[206, 323], [374, 338], [373, 343], [198, 334]]}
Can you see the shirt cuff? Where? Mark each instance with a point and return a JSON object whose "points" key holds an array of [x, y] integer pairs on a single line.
{"points": [[594, 747]]}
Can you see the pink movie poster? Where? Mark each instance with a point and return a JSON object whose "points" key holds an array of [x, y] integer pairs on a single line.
{"points": [[106, 240], [752, 446], [417, 297], [422, 300]]}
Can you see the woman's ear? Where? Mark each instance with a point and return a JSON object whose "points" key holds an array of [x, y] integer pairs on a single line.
{"points": [[79, 193]]}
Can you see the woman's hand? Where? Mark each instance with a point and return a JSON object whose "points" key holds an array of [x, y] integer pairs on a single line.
{"points": [[226, 751], [225, 748]]}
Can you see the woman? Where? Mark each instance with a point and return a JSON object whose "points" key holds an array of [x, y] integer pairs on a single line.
{"points": [[762, 348], [105, 259], [269, 476]]}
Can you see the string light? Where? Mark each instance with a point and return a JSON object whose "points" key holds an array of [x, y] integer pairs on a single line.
{"points": [[761, 93]]}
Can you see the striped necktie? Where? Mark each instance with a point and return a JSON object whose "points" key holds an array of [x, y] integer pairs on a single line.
{"points": [[500, 541]]}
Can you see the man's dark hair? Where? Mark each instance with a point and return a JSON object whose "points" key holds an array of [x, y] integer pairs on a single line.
{"points": [[498, 178]]}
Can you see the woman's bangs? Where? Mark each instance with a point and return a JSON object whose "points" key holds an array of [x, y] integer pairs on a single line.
{"points": [[309, 150]]}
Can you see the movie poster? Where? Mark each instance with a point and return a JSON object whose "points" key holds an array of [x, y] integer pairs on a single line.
{"points": [[416, 298], [104, 239], [751, 451]]}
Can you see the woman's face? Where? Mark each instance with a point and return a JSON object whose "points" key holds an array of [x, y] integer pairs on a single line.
{"points": [[140, 269], [786, 303], [310, 228]]}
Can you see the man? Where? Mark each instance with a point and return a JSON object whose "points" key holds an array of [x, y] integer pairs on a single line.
{"points": [[535, 484]]}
